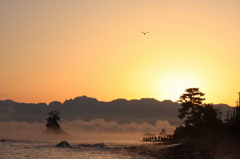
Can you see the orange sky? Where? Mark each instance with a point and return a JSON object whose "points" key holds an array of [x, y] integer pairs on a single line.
{"points": [[57, 50]]}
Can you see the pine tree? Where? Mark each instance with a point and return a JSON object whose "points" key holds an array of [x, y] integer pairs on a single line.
{"points": [[192, 109]]}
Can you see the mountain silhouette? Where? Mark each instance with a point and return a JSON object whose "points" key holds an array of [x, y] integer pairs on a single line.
{"points": [[85, 108]]}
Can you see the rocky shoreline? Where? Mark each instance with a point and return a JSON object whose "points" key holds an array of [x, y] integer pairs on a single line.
{"points": [[202, 150], [191, 150]]}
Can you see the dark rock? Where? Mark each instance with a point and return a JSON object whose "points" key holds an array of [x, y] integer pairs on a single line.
{"points": [[63, 144]]}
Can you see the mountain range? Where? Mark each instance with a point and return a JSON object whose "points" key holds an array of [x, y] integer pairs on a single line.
{"points": [[147, 110]]}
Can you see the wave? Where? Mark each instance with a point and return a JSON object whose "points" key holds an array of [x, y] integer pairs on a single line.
{"points": [[98, 145]]}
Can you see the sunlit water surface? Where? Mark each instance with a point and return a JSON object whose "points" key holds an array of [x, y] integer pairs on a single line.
{"points": [[84, 150]]}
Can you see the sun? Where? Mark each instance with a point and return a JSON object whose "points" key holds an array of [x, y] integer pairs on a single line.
{"points": [[174, 85]]}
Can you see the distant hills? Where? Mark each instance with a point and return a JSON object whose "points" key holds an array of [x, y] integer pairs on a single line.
{"points": [[84, 108]]}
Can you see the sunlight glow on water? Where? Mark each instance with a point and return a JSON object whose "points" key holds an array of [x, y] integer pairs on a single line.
{"points": [[45, 150]]}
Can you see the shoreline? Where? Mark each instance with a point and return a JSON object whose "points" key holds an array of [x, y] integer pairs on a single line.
{"points": [[154, 150], [192, 149]]}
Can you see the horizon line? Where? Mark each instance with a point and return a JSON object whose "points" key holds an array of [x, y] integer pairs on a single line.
{"points": [[103, 101]]}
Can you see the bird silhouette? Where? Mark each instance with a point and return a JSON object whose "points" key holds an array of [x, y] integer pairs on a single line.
{"points": [[144, 33]]}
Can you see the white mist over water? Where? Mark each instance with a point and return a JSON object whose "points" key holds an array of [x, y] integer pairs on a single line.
{"points": [[81, 130]]}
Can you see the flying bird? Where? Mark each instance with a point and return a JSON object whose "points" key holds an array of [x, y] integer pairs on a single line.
{"points": [[144, 33]]}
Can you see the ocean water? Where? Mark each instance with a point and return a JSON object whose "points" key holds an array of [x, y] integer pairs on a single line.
{"points": [[84, 150]]}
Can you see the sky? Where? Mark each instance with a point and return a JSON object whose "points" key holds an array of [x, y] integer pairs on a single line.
{"points": [[56, 50]]}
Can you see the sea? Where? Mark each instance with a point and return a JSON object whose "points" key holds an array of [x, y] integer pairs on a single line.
{"points": [[17, 149]]}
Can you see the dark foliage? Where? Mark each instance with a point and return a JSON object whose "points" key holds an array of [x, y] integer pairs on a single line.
{"points": [[201, 120], [52, 123], [192, 109]]}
